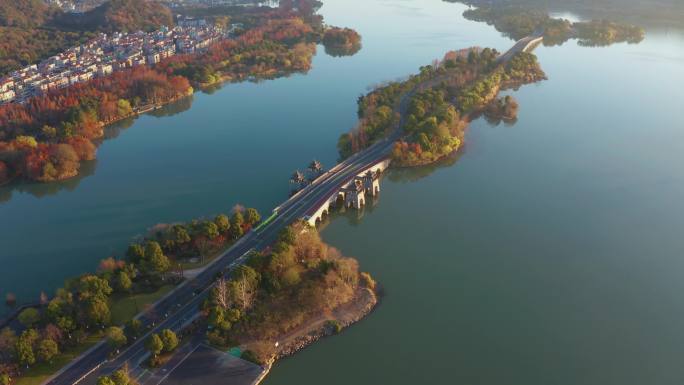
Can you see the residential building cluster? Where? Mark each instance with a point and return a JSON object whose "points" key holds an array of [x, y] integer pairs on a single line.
{"points": [[105, 54]]}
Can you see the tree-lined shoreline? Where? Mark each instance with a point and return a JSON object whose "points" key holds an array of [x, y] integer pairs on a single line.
{"points": [[47, 138]]}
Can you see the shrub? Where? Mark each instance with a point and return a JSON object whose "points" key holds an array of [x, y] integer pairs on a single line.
{"points": [[333, 326], [250, 356]]}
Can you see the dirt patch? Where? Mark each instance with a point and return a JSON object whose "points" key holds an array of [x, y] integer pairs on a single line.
{"points": [[314, 328]]}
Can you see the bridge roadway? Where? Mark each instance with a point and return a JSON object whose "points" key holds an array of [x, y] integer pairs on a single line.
{"points": [[181, 305], [526, 44]]}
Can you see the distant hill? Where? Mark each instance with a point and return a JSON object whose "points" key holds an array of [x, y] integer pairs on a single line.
{"points": [[647, 13], [120, 16], [24, 13], [30, 30]]}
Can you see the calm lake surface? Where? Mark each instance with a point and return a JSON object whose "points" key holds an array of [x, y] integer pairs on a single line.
{"points": [[549, 252]]}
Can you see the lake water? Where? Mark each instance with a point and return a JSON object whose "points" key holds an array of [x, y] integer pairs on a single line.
{"points": [[548, 252]]}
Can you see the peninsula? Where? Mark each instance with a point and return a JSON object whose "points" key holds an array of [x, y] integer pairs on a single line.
{"points": [[430, 111]]}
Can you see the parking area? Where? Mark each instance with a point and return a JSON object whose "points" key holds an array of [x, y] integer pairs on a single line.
{"points": [[209, 366]]}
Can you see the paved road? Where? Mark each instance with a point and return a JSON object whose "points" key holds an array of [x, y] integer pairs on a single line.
{"points": [[520, 45]]}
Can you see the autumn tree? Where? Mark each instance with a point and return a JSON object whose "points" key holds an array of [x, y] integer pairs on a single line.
{"points": [[220, 293], [244, 284]]}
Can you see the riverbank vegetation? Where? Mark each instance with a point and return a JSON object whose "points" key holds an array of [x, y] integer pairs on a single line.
{"points": [[434, 107], [296, 285], [200, 238], [48, 137], [517, 22], [121, 289]]}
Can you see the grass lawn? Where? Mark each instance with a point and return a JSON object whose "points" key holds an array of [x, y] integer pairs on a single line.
{"points": [[125, 308], [40, 372], [196, 265]]}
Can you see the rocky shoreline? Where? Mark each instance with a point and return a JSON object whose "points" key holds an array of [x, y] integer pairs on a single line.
{"points": [[346, 315]]}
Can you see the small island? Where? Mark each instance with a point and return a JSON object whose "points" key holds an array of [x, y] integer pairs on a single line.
{"points": [[341, 41], [502, 109]]}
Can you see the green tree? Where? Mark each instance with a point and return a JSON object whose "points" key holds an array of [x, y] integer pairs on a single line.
{"points": [[287, 235], [116, 337], [97, 311], [252, 216], [26, 140], [135, 253], [155, 345], [92, 286], [134, 328], [180, 234], [66, 323], [123, 107], [169, 339], [122, 377], [216, 316], [236, 222], [47, 350], [123, 281], [155, 260], [49, 132], [24, 348], [29, 317], [104, 380], [5, 379], [232, 315], [222, 222], [209, 229]]}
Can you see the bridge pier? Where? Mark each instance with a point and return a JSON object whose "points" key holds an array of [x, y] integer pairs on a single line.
{"points": [[353, 194]]}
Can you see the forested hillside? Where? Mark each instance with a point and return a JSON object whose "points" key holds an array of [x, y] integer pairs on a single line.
{"points": [[647, 13], [121, 16], [32, 31], [24, 13]]}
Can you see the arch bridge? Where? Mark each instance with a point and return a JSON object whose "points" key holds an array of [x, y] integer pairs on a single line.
{"points": [[352, 192]]}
